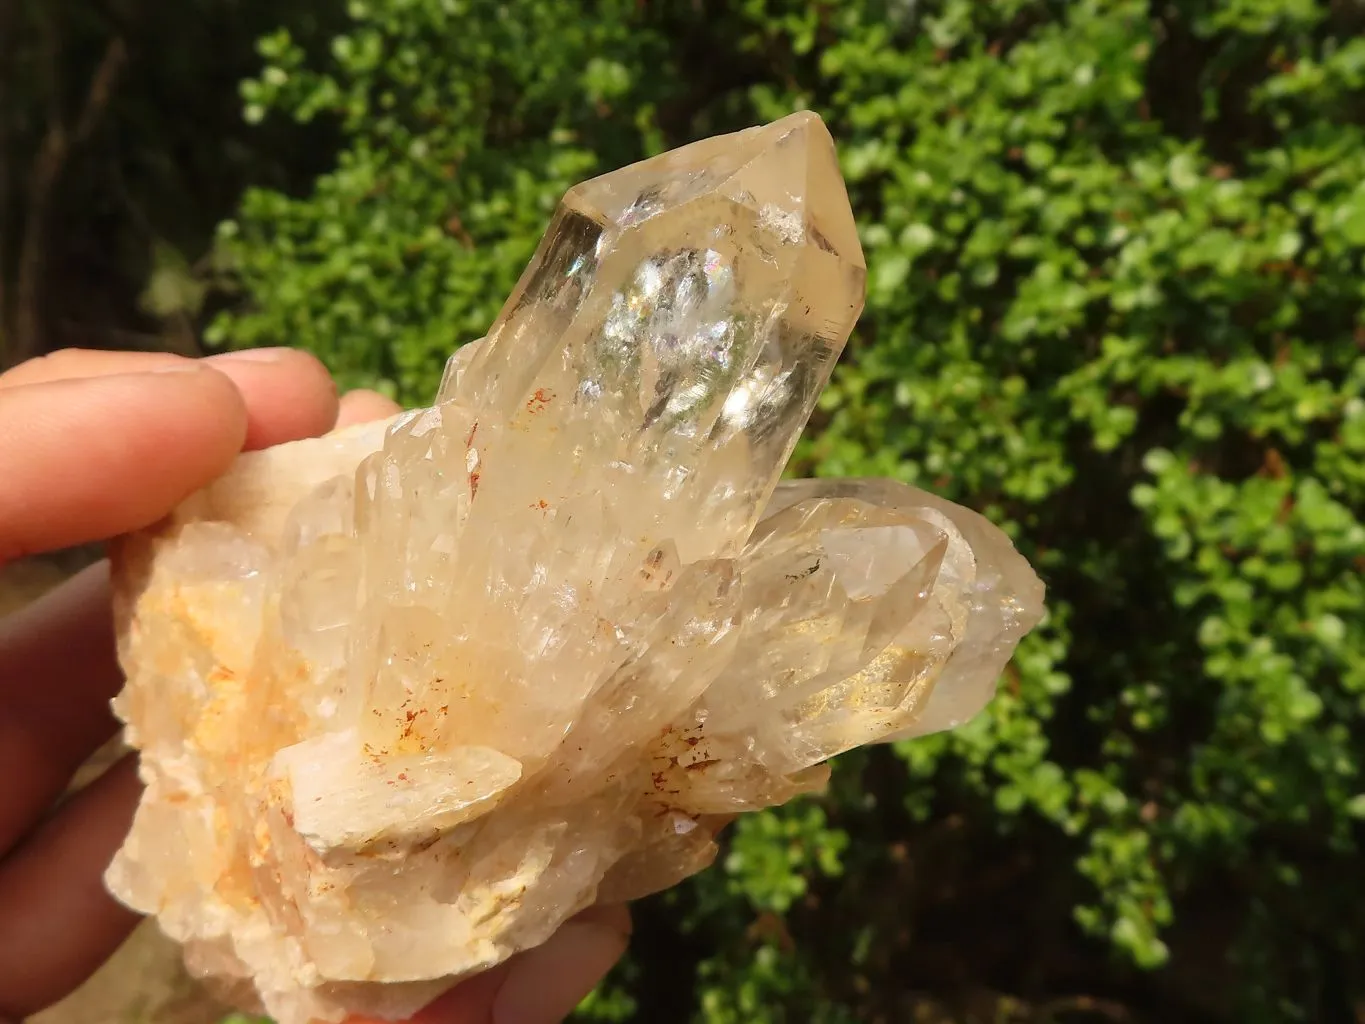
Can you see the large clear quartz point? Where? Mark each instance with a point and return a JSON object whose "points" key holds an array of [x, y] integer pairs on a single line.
{"points": [[410, 695]]}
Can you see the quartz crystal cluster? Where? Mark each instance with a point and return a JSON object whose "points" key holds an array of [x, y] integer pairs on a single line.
{"points": [[410, 695]]}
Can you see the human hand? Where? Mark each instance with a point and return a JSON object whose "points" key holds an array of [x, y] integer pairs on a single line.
{"points": [[92, 445]]}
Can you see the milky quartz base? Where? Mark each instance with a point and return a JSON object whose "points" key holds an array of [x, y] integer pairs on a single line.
{"points": [[409, 696]]}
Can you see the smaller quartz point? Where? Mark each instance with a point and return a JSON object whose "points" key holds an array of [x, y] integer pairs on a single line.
{"points": [[410, 695]]}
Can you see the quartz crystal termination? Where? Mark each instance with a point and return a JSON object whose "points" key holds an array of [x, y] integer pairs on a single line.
{"points": [[410, 695]]}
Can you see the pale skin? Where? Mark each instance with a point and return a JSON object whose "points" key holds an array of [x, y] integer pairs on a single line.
{"points": [[93, 445]]}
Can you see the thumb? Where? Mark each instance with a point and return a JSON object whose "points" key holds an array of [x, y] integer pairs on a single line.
{"points": [[541, 985]]}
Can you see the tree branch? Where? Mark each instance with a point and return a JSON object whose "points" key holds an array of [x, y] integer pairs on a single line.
{"points": [[101, 89], [44, 177]]}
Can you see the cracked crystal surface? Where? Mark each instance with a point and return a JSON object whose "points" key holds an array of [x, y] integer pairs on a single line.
{"points": [[409, 696]]}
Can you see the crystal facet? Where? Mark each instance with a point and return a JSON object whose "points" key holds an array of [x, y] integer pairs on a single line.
{"points": [[410, 695]]}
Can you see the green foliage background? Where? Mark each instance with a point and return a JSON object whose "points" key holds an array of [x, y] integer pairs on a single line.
{"points": [[1116, 301]]}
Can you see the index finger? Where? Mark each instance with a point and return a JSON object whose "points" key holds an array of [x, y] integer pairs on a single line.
{"points": [[97, 444], [289, 394]]}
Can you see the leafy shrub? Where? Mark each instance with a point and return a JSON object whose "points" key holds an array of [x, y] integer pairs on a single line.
{"points": [[1116, 302]]}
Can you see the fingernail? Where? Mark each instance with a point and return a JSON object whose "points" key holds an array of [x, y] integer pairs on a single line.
{"points": [[545, 984], [251, 355]]}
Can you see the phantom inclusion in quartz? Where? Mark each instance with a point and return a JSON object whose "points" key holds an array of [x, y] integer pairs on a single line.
{"points": [[410, 695]]}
